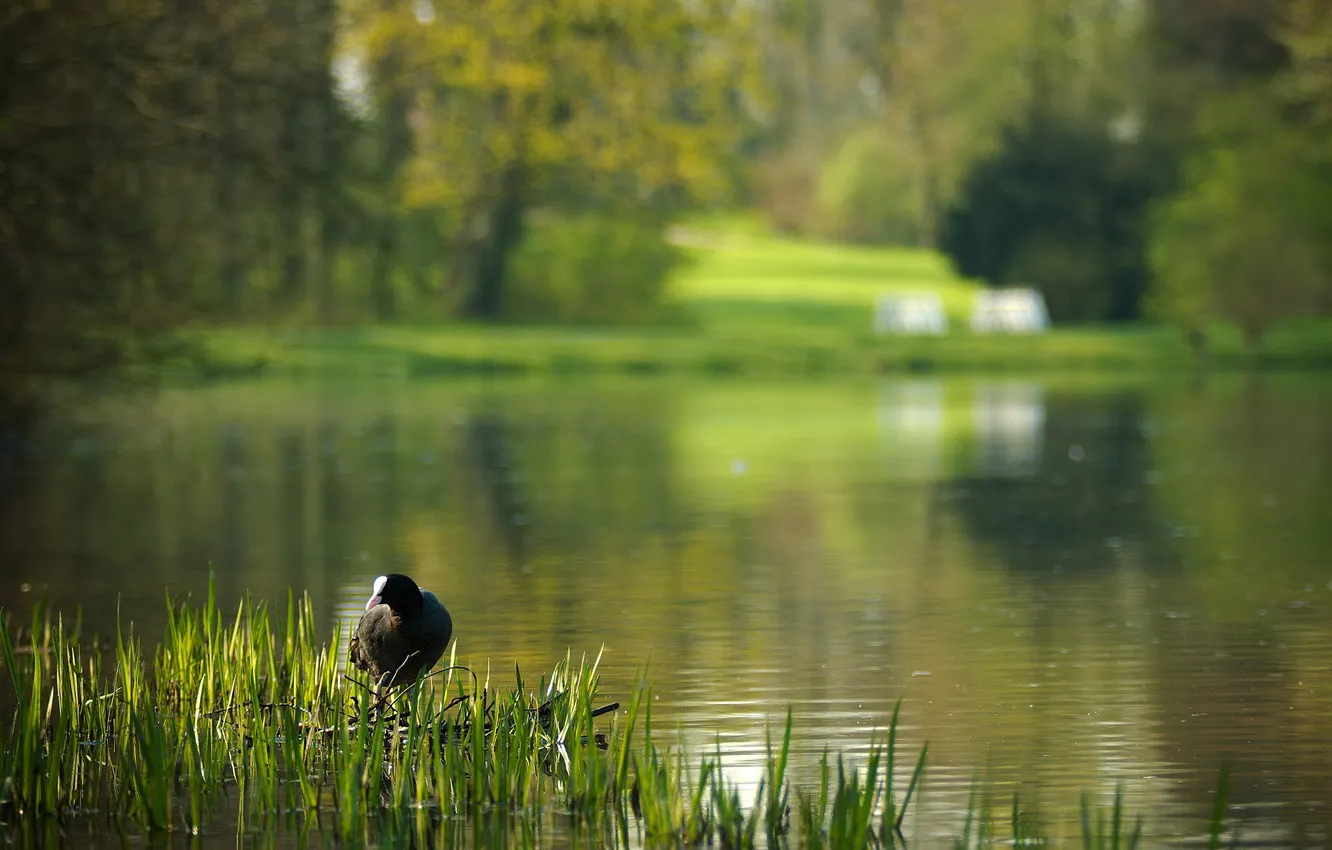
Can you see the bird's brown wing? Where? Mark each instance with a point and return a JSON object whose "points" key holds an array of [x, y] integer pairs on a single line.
{"points": [[377, 645]]}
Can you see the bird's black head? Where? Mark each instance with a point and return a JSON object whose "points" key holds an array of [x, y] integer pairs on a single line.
{"points": [[398, 592]]}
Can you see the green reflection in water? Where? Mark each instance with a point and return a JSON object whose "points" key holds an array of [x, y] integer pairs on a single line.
{"points": [[1070, 586]]}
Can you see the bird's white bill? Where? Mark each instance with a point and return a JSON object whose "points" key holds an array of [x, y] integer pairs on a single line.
{"points": [[375, 591]]}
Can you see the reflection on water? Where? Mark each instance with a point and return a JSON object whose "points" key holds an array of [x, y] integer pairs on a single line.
{"points": [[1010, 424], [911, 425], [1069, 588]]}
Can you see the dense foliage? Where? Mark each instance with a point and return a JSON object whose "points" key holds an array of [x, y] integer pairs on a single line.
{"points": [[589, 269], [156, 161], [1059, 208], [1092, 148], [1246, 237], [317, 161], [326, 161]]}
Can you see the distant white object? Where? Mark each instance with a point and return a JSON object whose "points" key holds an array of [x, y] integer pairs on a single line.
{"points": [[1014, 311], [909, 314]]}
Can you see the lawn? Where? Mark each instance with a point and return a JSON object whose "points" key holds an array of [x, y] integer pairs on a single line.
{"points": [[751, 303]]}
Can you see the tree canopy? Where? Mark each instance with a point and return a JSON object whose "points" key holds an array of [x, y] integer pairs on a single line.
{"points": [[1243, 239], [510, 103], [151, 158], [329, 161]]}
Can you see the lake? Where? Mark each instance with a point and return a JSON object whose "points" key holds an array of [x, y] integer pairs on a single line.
{"points": [[1072, 584]]}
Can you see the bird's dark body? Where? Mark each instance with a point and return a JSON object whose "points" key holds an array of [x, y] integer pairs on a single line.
{"points": [[400, 639]]}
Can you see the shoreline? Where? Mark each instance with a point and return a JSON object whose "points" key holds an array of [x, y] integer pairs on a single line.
{"points": [[406, 351]]}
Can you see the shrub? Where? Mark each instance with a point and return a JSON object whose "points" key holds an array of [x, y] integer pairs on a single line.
{"points": [[1060, 207], [591, 269]]}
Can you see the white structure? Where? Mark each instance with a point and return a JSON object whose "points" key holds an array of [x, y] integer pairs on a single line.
{"points": [[920, 313], [1014, 311]]}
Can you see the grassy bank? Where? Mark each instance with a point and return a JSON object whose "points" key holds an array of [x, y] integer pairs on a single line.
{"points": [[749, 304], [236, 716]]}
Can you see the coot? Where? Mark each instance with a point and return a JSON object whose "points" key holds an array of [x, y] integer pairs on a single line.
{"points": [[402, 634]]}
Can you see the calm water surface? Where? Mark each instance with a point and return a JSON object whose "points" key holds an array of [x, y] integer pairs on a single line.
{"points": [[1070, 588]]}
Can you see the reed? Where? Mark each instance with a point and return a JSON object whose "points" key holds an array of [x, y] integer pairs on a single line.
{"points": [[978, 830], [235, 714], [1110, 830], [1219, 801]]}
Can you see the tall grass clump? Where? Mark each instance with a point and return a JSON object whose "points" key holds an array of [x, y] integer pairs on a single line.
{"points": [[236, 708], [263, 719]]}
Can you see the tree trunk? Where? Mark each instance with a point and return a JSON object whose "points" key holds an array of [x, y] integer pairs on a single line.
{"points": [[327, 152], [926, 178], [326, 260], [230, 265], [486, 300], [329, 214], [1253, 339], [381, 275], [395, 146], [1197, 341], [291, 244]]}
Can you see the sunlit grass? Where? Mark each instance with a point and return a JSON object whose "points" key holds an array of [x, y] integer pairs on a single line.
{"points": [[737, 339], [755, 271], [754, 303], [234, 715], [771, 308]]}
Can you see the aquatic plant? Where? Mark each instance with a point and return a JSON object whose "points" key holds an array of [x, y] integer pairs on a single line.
{"points": [[237, 706], [236, 715], [1109, 830]]}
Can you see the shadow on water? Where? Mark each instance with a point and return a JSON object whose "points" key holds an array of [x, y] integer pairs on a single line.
{"points": [[1073, 494]]}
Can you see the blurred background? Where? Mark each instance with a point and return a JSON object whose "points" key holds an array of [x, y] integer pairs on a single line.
{"points": [[812, 352], [315, 164]]}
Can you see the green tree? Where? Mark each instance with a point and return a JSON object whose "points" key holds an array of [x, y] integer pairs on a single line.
{"points": [[957, 75], [951, 72], [156, 161], [1243, 240], [512, 104], [1307, 85], [1307, 38], [1060, 207]]}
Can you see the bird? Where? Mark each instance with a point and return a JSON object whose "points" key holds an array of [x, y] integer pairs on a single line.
{"points": [[402, 633]]}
